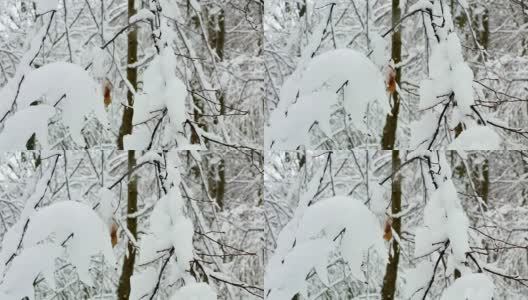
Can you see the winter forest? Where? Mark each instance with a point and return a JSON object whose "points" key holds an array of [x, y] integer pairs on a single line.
{"points": [[263, 149]]}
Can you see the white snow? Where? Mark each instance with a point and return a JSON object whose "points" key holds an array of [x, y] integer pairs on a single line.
{"points": [[319, 86], [142, 283], [293, 131], [427, 95], [26, 267], [444, 218], [378, 196], [421, 5], [470, 287], [83, 95], [12, 236], [448, 73], [161, 89], [422, 130], [149, 156], [416, 280], [139, 139], [169, 227], [107, 205], [195, 291], [19, 128], [142, 14], [462, 84], [439, 69], [60, 220], [341, 223], [463, 3], [476, 138], [67, 226], [454, 49], [196, 6], [44, 6], [380, 55]]}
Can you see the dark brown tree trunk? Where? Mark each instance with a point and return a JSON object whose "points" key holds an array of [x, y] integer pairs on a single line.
{"points": [[391, 273], [391, 123], [217, 40], [123, 290], [126, 123]]}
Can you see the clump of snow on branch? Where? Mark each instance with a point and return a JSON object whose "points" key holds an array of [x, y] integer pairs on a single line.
{"points": [[470, 287], [421, 5], [63, 85], [339, 223], [162, 90], [64, 227], [169, 227], [478, 137], [141, 15], [417, 280], [12, 237], [170, 231], [450, 79], [44, 6], [195, 291], [314, 92], [22, 125], [445, 229], [77, 224], [20, 279], [143, 283], [444, 218]]}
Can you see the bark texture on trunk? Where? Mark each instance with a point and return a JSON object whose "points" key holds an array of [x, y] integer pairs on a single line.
{"points": [[391, 122], [123, 290], [126, 123], [391, 272]]}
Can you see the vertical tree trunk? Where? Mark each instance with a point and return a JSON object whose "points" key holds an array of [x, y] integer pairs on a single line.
{"points": [[387, 142], [524, 160], [217, 40], [524, 7], [484, 182], [391, 123], [391, 273], [123, 290], [126, 124], [484, 34]]}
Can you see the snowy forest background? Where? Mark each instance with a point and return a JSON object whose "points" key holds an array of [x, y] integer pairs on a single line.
{"points": [[490, 187], [251, 149], [225, 234], [449, 67], [169, 74]]}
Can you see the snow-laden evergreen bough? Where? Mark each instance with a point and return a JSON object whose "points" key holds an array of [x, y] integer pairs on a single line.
{"points": [[34, 95]]}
